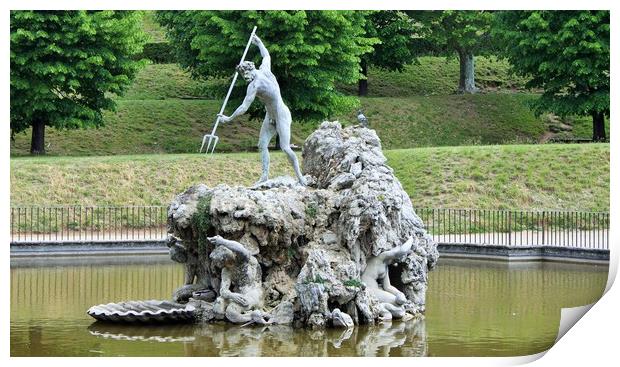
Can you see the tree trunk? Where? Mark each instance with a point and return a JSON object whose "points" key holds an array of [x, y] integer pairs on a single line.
{"points": [[598, 126], [37, 143], [466, 72], [362, 87]]}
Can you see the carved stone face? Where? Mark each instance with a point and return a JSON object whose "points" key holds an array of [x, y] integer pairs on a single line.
{"points": [[247, 71], [222, 257]]}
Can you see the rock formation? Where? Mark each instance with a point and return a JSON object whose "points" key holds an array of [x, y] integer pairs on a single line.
{"points": [[312, 243]]}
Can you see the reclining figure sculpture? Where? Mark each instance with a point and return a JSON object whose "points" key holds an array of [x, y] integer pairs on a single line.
{"points": [[391, 299]]}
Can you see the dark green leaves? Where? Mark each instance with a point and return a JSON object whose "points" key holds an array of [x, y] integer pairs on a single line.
{"points": [[566, 53], [65, 65], [311, 51]]}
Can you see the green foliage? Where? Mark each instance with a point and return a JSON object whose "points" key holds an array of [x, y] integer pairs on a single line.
{"points": [[290, 253], [566, 53], [158, 53], [201, 220], [396, 33], [353, 283], [464, 32], [456, 30], [311, 210], [66, 65], [317, 280], [311, 51]]}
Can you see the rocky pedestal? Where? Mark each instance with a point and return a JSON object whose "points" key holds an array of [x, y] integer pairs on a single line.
{"points": [[299, 254]]}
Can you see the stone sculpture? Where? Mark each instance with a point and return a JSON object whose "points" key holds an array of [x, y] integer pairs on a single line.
{"points": [[391, 299], [263, 84], [240, 271], [346, 249], [197, 282], [341, 319]]}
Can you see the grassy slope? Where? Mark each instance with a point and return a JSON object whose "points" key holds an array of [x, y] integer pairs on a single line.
{"points": [[165, 111], [152, 28], [510, 176], [438, 75], [177, 126]]}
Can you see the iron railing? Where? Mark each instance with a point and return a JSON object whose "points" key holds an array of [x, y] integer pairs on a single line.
{"points": [[87, 223], [518, 227], [466, 226]]}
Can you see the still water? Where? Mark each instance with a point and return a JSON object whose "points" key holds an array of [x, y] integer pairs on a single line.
{"points": [[474, 308]]}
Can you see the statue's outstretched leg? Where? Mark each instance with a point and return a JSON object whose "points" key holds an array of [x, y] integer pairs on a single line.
{"points": [[237, 314], [240, 315], [284, 134], [267, 131], [397, 312]]}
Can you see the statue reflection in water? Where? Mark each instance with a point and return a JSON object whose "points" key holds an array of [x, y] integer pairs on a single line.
{"points": [[396, 338]]}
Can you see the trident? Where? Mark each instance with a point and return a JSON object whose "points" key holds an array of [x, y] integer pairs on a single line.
{"points": [[212, 137]]}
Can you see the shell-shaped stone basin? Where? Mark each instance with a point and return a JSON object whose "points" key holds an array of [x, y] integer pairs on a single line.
{"points": [[150, 311]]}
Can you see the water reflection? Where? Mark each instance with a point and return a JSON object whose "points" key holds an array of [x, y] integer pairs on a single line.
{"points": [[473, 308], [406, 338], [500, 308]]}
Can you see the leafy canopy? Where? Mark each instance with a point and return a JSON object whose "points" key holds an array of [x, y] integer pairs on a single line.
{"points": [[456, 30], [311, 51], [66, 65], [564, 52], [398, 37]]}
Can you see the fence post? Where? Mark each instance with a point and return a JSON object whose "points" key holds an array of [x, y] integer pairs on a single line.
{"points": [[543, 228], [510, 228]]}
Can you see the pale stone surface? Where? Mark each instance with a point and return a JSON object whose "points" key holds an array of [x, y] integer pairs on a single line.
{"points": [[313, 243], [376, 277], [143, 311], [341, 319]]}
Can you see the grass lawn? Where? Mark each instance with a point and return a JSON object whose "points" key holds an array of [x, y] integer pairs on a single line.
{"points": [[571, 177], [177, 125], [439, 76], [165, 111], [152, 28]]}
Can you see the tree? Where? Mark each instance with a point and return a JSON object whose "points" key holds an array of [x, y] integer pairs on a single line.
{"points": [[66, 66], [464, 32], [566, 53], [311, 51], [395, 32]]}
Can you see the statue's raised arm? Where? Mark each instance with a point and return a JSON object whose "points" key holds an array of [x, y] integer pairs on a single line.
{"points": [[266, 64], [262, 84], [233, 246]]}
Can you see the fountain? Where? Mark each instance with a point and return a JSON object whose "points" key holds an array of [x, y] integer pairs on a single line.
{"points": [[346, 249]]}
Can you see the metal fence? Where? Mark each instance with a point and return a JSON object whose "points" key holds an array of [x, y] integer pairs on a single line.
{"points": [[466, 226], [87, 223], [518, 227]]}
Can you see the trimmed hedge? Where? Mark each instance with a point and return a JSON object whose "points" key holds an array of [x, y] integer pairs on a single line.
{"points": [[158, 53]]}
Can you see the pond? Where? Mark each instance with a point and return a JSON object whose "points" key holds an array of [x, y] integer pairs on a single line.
{"points": [[474, 308]]}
